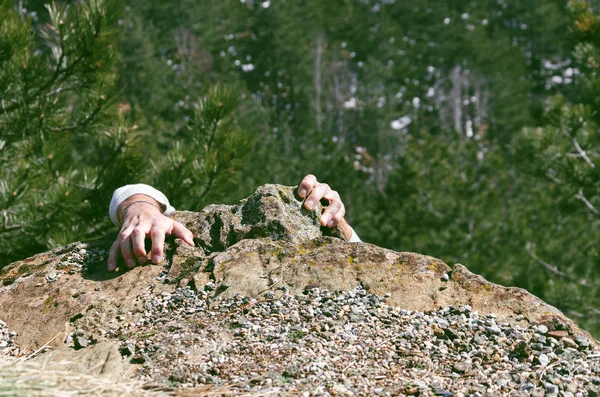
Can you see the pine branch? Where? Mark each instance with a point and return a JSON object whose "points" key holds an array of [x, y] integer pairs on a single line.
{"points": [[81, 123], [207, 187], [54, 79]]}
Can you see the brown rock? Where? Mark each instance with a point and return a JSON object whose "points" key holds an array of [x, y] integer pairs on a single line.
{"points": [[263, 242]]}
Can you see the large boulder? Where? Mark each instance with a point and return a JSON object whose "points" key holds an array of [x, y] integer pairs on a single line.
{"points": [[69, 312]]}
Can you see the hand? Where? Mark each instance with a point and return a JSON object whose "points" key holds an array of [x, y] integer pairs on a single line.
{"points": [[334, 213], [141, 220]]}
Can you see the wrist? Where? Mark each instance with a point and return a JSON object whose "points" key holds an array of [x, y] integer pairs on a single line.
{"points": [[346, 228], [134, 202]]}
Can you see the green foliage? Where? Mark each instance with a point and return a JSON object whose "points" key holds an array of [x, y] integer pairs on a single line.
{"points": [[206, 159]]}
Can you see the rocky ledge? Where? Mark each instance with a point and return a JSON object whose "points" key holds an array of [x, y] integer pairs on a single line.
{"points": [[268, 302]]}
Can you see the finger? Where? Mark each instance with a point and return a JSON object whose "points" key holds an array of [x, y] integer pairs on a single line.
{"points": [[126, 251], [112, 256], [306, 185], [183, 233], [330, 213], [138, 237], [337, 219], [158, 242], [317, 194]]}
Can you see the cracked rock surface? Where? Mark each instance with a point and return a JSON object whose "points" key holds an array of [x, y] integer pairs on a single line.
{"points": [[268, 301]]}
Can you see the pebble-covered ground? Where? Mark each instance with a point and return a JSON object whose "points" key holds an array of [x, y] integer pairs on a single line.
{"points": [[346, 343], [342, 343], [8, 348]]}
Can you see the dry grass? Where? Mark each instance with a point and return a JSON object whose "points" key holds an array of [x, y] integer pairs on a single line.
{"points": [[27, 379], [24, 379]]}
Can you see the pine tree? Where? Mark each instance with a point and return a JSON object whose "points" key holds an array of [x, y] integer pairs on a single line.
{"points": [[62, 147], [69, 137]]}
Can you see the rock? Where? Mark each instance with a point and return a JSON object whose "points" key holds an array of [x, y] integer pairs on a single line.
{"points": [[568, 342], [266, 278], [558, 334], [81, 342], [593, 390], [583, 342], [461, 367]]}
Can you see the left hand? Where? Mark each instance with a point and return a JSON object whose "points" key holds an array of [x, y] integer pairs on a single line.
{"points": [[334, 213]]}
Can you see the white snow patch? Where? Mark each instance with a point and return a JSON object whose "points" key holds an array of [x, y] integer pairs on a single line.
{"points": [[469, 128], [416, 102], [351, 103], [401, 123]]}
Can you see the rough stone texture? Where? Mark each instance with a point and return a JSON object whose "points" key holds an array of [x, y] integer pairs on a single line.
{"points": [[263, 243]]}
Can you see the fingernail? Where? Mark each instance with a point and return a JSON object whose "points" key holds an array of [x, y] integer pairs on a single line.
{"points": [[302, 193], [330, 224], [310, 205], [326, 219], [111, 267], [130, 263], [156, 259], [141, 260]]}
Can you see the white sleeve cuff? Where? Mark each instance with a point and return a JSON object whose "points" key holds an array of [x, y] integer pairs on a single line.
{"points": [[354, 238], [123, 193]]}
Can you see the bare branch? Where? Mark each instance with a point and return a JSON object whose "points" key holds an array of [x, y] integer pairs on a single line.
{"points": [[581, 152], [587, 203], [6, 227], [319, 52], [555, 270], [548, 266]]}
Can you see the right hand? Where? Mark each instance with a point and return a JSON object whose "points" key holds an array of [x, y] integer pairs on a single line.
{"points": [[140, 221]]}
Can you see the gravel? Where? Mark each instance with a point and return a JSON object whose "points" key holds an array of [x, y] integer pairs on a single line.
{"points": [[8, 348], [345, 343]]}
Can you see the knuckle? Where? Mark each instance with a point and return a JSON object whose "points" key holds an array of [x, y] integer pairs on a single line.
{"points": [[137, 232], [139, 250]]}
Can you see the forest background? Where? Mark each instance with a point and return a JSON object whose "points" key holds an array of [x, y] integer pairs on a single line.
{"points": [[466, 130]]}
